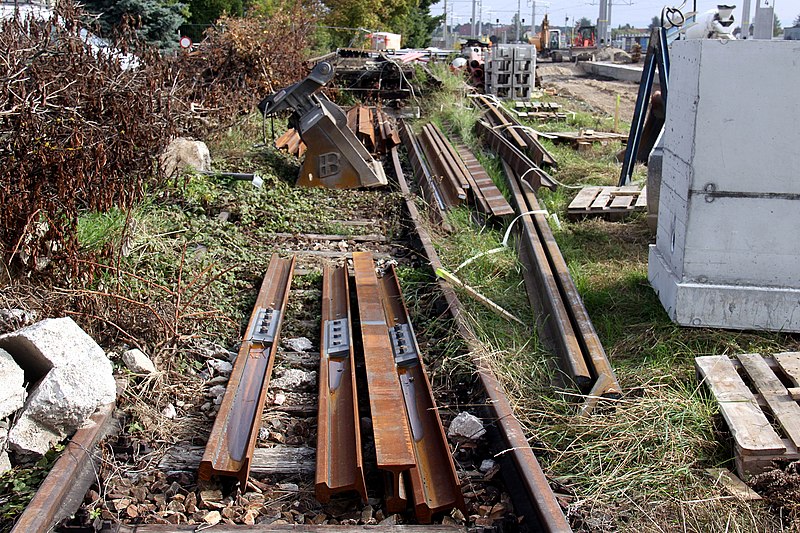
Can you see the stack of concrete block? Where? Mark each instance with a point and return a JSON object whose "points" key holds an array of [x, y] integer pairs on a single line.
{"points": [[726, 252], [510, 71]]}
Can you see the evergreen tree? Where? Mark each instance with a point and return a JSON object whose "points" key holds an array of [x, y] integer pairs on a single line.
{"points": [[797, 21], [776, 26], [157, 21], [420, 25]]}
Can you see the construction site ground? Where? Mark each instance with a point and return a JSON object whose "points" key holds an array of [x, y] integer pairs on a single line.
{"points": [[637, 464]]}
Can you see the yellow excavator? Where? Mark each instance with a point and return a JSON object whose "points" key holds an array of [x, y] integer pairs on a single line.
{"points": [[546, 40]]}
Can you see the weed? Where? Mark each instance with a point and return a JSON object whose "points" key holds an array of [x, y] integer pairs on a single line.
{"points": [[18, 485]]}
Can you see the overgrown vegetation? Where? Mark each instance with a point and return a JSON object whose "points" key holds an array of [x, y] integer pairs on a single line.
{"points": [[637, 465], [78, 132]]}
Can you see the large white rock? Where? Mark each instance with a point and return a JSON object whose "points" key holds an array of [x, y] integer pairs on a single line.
{"points": [[184, 153], [12, 385], [73, 377], [5, 462]]}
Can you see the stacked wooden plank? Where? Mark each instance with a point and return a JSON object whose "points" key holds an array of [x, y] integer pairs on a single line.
{"points": [[585, 138], [758, 398], [539, 110], [613, 203]]}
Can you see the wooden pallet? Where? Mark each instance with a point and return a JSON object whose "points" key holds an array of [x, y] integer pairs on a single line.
{"points": [[583, 139], [758, 398], [613, 203]]}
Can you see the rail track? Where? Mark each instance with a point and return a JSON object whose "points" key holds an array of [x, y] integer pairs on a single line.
{"points": [[370, 361]]}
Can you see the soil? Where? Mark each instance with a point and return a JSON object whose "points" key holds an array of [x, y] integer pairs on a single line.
{"points": [[600, 96]]}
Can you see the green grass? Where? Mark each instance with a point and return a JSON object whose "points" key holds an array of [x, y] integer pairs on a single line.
{"points": [[639, 464]]}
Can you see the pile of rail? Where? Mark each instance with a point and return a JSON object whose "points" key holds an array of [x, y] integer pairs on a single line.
{"points": [[515, 143], [445, 180], [410, 448], [449, 175]]}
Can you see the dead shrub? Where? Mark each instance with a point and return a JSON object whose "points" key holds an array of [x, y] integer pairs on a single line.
{"points": [[242, 61], [77, 132]]}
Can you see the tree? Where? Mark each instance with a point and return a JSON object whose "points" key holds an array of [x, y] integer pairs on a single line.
{"points": [[420, 25], [584, 22], [208, 11], [157, 20], [776, 26], [654, 23], [397, 16], [797, 21]]}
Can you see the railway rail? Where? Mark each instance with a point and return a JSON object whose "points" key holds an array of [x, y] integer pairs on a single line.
{"points": [[409, 439]]}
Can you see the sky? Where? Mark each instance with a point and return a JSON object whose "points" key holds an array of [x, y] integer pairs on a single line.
{"points": [[638, 13]]}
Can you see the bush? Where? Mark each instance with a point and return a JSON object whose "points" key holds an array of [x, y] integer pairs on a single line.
{"points": [[77, 131], [243, 60]]}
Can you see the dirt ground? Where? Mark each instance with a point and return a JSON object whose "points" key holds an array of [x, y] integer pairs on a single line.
{"points": [[599, 95]]}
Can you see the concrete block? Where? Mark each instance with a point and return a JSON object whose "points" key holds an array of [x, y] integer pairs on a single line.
{"points": [[12, 385], [747, 117], [72, 377], [137, 362], [726, 252], [30, 439]]}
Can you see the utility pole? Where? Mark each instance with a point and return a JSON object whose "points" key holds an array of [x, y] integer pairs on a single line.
{"points": [[472, 27], [601, 21], [745, 19], [444, 31], [608, 22], [480, 18], [533, 18], [519, 14]]}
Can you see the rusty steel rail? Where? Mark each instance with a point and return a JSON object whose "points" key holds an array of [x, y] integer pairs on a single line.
{"points": [[451, 160], [393, 442], [422, 173], [496, 203], [545, 511], [434, 482], [517, 160], [449, 183], [340, 466], [520, 136], [65, 486], [229, 450], [552, 292]]}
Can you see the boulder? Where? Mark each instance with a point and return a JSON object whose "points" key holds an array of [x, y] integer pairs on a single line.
{"points": [[72, 378], [138, 363], [12, 385], [184, 153]]}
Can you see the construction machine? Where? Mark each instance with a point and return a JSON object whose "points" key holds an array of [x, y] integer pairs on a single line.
{"points": [[582, 48], [547, 40]]}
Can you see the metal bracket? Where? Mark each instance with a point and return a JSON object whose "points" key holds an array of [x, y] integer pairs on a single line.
{"points": [[265, 326], [337, 338], [403, 345]]}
